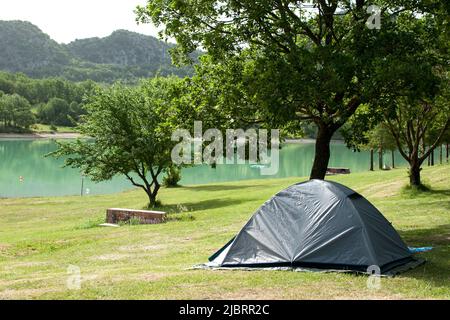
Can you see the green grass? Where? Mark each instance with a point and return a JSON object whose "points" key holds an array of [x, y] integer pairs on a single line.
{"points": [[41, 237], [43, 128]]}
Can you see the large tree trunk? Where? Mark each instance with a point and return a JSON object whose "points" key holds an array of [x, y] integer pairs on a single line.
{"points": [[152, 195], [151, 200], [322, 156], [371, 159], [414, 173]]}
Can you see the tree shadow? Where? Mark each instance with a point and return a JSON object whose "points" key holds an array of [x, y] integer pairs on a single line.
{"points": [[436, 270], [424, 189], [440, 195], [212, 188], [439, 192], [210, 204]]}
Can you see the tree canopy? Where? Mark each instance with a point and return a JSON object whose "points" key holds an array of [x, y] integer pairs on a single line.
{"points": [[15, 112], [299, 63], [417, 112], [130, 130]]}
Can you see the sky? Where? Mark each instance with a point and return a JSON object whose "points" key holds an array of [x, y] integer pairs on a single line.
{"points": [[67, 20]]}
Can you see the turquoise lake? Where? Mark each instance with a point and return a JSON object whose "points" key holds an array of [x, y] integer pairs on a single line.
{"points": [[25, 172]]}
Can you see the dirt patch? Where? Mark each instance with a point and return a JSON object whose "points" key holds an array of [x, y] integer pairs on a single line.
{"points": [[4, 247], [153, 276], [10, 294], [30, 264], [141, 247], [383, 190], [112, 257]]}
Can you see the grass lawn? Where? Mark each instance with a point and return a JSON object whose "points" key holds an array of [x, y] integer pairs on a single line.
{"points": [[41, 237], [43, 128]]}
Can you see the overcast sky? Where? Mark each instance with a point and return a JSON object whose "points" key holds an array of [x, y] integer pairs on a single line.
{"points": [[67, 20]]}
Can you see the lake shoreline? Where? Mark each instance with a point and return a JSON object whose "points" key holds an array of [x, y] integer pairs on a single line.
{"points": [[27, 171], [308, 140], [19, 136], [74, 135]]}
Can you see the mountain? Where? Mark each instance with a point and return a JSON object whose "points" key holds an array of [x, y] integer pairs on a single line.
{"points": [[123, 55], [123, 48], [25, 48]]}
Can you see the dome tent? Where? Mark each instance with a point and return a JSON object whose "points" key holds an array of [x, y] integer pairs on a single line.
{"points": [[317, 225]]}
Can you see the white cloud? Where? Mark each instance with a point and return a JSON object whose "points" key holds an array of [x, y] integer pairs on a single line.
{"points": [[67, 20]]}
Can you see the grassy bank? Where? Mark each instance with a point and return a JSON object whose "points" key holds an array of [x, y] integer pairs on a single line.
{"points": [[44, 128], [41, 237], [37, 129]]}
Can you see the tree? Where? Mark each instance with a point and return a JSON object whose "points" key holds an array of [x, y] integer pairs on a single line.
{"points": [[15, 112], [381, 138], [58, 101], [431, 136], [417, 110], [315, 65], [131, 132], [420, 114], [57, 112], [409, 125]]}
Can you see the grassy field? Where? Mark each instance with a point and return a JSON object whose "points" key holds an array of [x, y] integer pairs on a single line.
{"points": [[41, 237], [43, 128]]}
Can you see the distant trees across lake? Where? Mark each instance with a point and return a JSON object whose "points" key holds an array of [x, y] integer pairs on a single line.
{"points": [[54, 101]]}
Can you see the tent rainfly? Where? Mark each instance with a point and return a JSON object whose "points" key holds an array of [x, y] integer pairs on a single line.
{"points": [[317, 225]]}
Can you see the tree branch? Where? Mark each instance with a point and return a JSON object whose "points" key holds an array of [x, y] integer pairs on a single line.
{"points": [[436, 143]]}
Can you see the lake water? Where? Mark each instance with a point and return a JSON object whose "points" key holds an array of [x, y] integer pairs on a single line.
{"points": [[25, 172]]}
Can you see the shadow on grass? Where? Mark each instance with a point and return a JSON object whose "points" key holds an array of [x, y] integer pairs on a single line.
{"points": [[200, 205], [439, 192], [436, 270], [212, 188], [441, 195], [424, 189], [436, 236]]}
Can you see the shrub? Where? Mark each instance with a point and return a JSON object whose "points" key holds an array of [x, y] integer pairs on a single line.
{"points": [[173, 176]]}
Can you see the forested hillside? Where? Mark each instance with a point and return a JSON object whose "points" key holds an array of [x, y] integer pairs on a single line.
{"points": [[123, 55], [25, 48], [122, 48]]}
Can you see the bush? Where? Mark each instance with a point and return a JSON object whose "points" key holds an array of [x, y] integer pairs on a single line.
{"points": [[173, 176]]}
